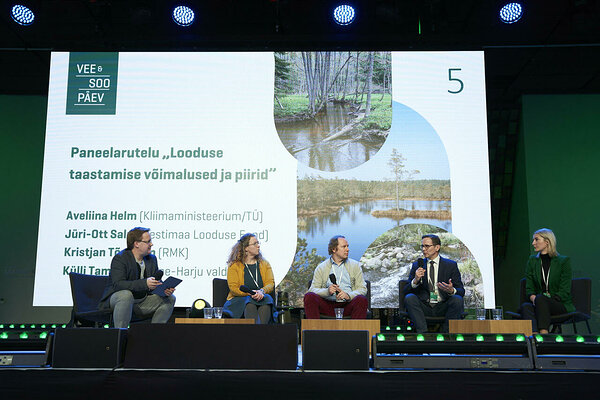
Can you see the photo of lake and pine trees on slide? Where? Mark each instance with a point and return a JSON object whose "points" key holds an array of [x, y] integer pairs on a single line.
{"points": [[369, 168]]}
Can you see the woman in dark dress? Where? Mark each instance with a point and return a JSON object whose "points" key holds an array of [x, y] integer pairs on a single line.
{"points": [[548, 277], [246, 266]]}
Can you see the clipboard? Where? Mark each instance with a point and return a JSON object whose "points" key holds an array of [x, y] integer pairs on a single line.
{"points": [[169, 283]]}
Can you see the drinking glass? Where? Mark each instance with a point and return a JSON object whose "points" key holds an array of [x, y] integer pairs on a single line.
{"points": [[218, 312], [480, 314]]}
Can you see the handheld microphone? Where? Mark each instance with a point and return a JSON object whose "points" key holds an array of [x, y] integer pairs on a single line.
{"points": [[421, 264], [158, 275], [246, 289], [334, 281]]}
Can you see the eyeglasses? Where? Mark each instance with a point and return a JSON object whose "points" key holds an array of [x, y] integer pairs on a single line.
{"points": [[254, 244], [145, 241], [426, 246]]}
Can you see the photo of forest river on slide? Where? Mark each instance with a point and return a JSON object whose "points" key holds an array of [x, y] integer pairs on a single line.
{"points": [[332, 110], [311, 141]]}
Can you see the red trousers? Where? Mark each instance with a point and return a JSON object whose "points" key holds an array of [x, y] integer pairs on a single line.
{"points": [[315, 305]]}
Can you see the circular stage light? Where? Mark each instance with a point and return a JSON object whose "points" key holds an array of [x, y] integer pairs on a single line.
{"points": [[511, 13], [183, 16], [344, 14], [22, 15]]}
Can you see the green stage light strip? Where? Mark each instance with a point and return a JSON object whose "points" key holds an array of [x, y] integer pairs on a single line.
{"points": [[558, 338], [408, 337]]}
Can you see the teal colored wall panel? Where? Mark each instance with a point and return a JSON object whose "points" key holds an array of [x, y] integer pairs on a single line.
{"points": [[509, 272], [22, 127], [559, 161]]}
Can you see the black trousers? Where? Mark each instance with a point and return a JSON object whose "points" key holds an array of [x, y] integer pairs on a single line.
{"points": [[541, 312]]}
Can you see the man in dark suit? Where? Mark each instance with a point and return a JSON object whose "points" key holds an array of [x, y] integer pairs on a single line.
{"points": [[132, 273], [435, 288]]}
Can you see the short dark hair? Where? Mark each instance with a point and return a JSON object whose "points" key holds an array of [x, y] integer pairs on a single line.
{"points": [[435, 239], [135, 235], [333, 243]]}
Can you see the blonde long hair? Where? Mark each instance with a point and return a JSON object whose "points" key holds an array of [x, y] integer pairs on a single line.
{"points": [[550, 238]]}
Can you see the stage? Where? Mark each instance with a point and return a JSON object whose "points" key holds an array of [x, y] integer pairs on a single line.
{"points": [[245, 361]]}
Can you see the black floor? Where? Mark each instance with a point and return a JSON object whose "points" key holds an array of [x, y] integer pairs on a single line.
{"points": [[88, 384]]}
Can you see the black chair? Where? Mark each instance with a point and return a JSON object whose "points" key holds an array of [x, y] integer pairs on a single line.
{"points": [[220, 292], [522, 299], [581, 292], [368, 296], [86, 291], [402, 313]]}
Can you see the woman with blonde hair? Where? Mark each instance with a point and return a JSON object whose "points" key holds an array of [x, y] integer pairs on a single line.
{"points": [[247, 267], [548, 277]]}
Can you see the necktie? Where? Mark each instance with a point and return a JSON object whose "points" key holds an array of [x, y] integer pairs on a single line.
{"points": [[431, 277]]}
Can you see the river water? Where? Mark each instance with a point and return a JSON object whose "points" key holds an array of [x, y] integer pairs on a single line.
{"points": [[361, 228], [304, 140]]}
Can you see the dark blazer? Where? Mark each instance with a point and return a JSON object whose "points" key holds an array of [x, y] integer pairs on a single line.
{"points": [[559, 280], [125, 275], [447, 270]]}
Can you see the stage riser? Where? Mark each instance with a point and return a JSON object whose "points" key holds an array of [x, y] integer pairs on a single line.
{"points": [[88, 348], [335, 350], [185, 346]]}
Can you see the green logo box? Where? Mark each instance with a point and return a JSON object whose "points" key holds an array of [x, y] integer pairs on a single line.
{"points": [[92, 85]]}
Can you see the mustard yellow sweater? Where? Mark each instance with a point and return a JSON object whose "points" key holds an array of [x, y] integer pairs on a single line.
{"points": [[235, 278]]}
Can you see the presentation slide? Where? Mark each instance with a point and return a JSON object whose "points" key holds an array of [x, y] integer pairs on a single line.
{"points": [[295, 147]]}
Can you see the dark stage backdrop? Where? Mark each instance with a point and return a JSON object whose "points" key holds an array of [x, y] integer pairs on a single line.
{"points": [[556, 186]]}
